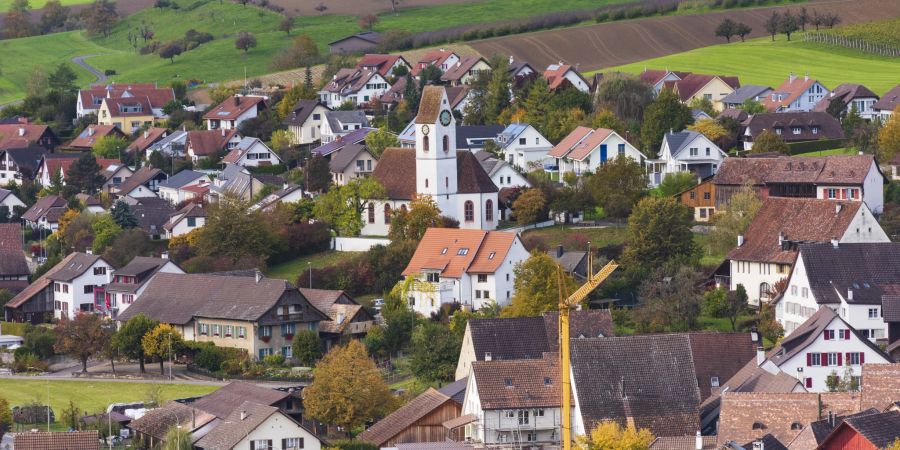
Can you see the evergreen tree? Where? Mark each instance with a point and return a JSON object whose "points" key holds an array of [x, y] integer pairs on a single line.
{"points": [[665, 114], [84, 175], [308, 78], [497, 98], [411, 95], [62, 80], [122, 215]]}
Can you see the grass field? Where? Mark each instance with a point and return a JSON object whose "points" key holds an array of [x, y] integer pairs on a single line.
{"points": [[834, 151], [90, 396], [290, 270], [559, 235], [763, 62], [37, 4]]}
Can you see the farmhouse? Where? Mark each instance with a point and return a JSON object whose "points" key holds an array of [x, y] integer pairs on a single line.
{"points": [[229, 114], [348, 319], [793, 127], [420, 420]]}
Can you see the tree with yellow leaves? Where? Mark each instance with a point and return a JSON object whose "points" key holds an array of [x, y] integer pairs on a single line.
{"points": [[709, 128], [609, 435], [164, 342], [889, 138]]}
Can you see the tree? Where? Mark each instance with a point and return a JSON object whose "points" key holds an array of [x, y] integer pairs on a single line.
{"points": [[177, 438], [767, 325], [609, 435], [411, 94], [71, 416], [84, 175], [669, 300], [121, 213], [380, 139], [347, 389], [307, 347], [342, 207], [234, 232], [617, 186], [126, 246], [605, 118], [100, 17], [146, 34], [110, 346], [726, 29], [368, 21], [399, 320], [435, 351], [742, 208], [171, 50], [321, 7], [659, 231], [530, 207], [411, 225], [665, 114], [625, 95], [773, 24], [394, 4], [852, 121], [62, 80], [709, 128], [37, 83], [54, 16], [17, 23], [105, 231], [6, 420], [831, 20], [789, 24], [751, 106], [889, 137], [109, 147], [163, 341], [538, 282], [80, 338], [676, 183], [286, 25], [131, 335], [245, 41], [497, 93], [769, 142], [803, 18], [318, 174], [742, 30]]}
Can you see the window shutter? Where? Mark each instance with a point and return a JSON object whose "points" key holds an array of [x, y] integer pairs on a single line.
{"points": [[252, 445], [840, 360], [862, 358], [808, 363], [848, 356], [826, 335], [283, 443], [269, 444], [824, 359], [847, 333], [808, 384]]}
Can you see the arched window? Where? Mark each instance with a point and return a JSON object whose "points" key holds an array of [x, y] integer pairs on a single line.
{"points": [[371, 213], [489, 210], [387, 213], [403, 208], [469, 211], [764, 290], [446, 144], [425, 143]]}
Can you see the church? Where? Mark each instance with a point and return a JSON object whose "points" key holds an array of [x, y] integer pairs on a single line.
{"points": [[454, 179]]}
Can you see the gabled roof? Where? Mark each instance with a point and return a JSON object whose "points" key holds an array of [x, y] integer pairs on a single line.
{"points": [[879, 429], [556, 74], [21, 134], [453, 252], [683, 443], [369, 36], [889, 101], [790, 90], [89, 136], [146, 139], [243, 147], [43, 206], [518, 384], [119, 107], [826, 126], [510, 134], [353, 137], [846, 93], [747, 91], [74, 267], [688, 86], [152, 217], [350, 80], [571, 140], [399, 420], [455, 96], [431, 57], [835, 169], [653, 76], [59, 163], [40, 284], [26, 158], [866, 269], [584, 148], [781, 221], [337, 118], [140, 178], [11, 237], [461, 68], [224, 401], [158, 97], [190, 210], [680, 140], [233, 107], [346, 156], [302, 111], [395, 93], [396, 171], [141, 266], [208, 142], [381, 63], [42, 440], [719, 355], [474, 136], [157, 422], [181, 179], [650, 378]]}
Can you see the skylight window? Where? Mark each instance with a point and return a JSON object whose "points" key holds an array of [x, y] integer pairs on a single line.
{"points": [[444, 251], [491, 255], [462, 252], [222, 113]]}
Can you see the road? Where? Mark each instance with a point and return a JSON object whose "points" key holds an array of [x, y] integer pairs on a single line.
{"points": [[101, 77]]}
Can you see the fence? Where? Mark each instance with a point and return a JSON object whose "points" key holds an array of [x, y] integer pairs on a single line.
{"points": [[356, 244], [852, 43], [547, 223]]}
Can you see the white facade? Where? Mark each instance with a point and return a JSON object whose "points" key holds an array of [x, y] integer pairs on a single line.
{"points": [[255, 153], [373, 88], [185, 225], [72, 297], [872, 193], [311, 130], [361, 167], [805, 101], [698, 155], [232, 124], [9, 171], [609, 149], [527, 150], [10, 202], [178, 195], [329, 134], [271, 433], [506, 176], [140, 191]]}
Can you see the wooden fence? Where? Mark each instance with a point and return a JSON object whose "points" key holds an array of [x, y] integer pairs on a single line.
{"points": [[851, 43]]}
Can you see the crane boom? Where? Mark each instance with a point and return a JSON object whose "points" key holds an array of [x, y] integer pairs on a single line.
{"points": [[564, 306]]}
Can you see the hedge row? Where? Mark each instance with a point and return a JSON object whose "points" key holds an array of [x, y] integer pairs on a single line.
{"points": [[816, 146]]}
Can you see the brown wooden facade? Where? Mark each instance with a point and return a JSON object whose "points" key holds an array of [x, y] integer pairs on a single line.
{"points": [[429, 428], [702, 198]]}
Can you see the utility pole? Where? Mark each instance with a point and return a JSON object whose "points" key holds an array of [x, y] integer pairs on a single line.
{"points": [[309, 267], [170, 356]]}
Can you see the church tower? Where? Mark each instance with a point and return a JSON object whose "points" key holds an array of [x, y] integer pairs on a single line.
{"points": [[436, 148]]}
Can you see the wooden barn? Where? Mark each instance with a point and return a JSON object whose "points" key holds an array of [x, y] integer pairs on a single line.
{"points": [[702, 198], [420, 420]]}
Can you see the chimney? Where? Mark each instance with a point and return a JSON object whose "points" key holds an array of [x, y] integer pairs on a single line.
{"points": [[792, 77], [760, 356], [89, 251], [834, 242], [698, 445], [806, 78], [284, 185], [781, 239], [146, 134], [243, 415], [511, 59], [164, 255], [23, 120], [849, 294], [21, 131], [237, 99], [831, 418], [258, 275], [559, 251], [487, 356], [740, 240]]}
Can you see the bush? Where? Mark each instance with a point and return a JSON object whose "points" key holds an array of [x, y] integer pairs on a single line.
{"points": [[109, 72], [210, 358], [815, 146], [274, 360], [26, 361], [150, 48]]}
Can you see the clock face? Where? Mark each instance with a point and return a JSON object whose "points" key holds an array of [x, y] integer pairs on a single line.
{"points": [[445, 117], [425, 130]]}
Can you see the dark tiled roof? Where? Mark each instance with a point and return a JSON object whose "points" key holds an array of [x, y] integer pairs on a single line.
{"points": [[473, 136], [748, 416], [719, 355], [650, 378], [40, 284], [74, 267], [879, 429], [733, 113], [796, 220], [152, 217], [690, 84], [846, 92], [683, 443], [301, 111], [353, 137], [396, 171], [141, 177], [141, 265], [462, 67], [181, 178], [822, 428], [158, 421], [889, 101], [397, 421], [12, 263], [531, 383], [42, 440], [236, 427], [430, 104], [27, 159], [11, 237], [337, 118], [232, 107], [744, 92], [42, 206], [322, 299], [828, 126], [227, 399], [369, 36], [862, 268], [208, 142], [146, 139], [456, 390], [345, 156]]}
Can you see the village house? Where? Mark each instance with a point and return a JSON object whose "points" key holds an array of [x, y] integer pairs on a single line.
{"points": [[85, 140], [203, 144], [45, 213], [767, 251], [466, 192], [348, 319], [393, 96], [151, 213], [305, 121], [585, 149], [519, 69], [471, 267], [128, 114], [143, 183], [90, 203], [174, 144], [353, 137], [189, 218], [9, 201], [17, 164], [340, 124], [796, 94], [854, 288], [351, 162], [257, 314], [385, 65], [13, 266], [25, 134], [229, 114], [115, 175], [252, 152], [793, 127], [573, 262], [701, 198], [695, 87], [91, 100], [441, 58], [174, 189], [287, 194], [884, 108], [356, 43], [358, 87], [561, 75], [523, 146], [836, 177], [34, 304], [238, 182], [78, 284], [420, 420], [459, 97], [852, 97], [657, 79], [466, 70], [736, 99], [53, 165], [685, 151], [129, 282], [867, 431], [145, 139], [502, 173]]}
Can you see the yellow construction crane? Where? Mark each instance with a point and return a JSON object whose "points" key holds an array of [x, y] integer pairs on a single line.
{"points": [[566, 304]]}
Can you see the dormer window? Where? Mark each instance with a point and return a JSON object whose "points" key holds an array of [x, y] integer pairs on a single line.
{"points": [[814, 130], [795, 130], [444, 251], [462, 252], [778, 131]]}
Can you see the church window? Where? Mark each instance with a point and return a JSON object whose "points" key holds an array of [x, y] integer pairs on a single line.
{"points": [[446, 144], [426, 182], [489, 210], [371, 213], [469, 211], [425, 144], [446, 182], [387, 213]]}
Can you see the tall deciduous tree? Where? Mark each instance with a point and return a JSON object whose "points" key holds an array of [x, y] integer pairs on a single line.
{"points": [[163, 342], [80, 338], [131, 335], [617, 186], [234, 232], [347, 389], [423, 214], [773, 24], [54, 16], [734, 220], [435, 351], [665, 114], [659, 232], [609, 435], [769, 142], [530, 207], [625, 95], [677, 182], [6, 420], [497, 90], [342, 207], [381, 139], [742, 30], [670, 300], [286, 25], [109, 147], [889, 137], [789, 24], [245, 41], [726, 29], [17, 23], [537, 286], [100, 17], [170, 50]]}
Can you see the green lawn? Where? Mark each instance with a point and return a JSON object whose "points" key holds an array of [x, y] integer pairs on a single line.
{"points": [[708, 258], [563, 235], [36, 4], [290, 270], [763, 62], [90, 396], [834, 151]]}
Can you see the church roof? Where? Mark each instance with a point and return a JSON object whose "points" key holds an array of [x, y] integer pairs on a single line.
{"points": [[430, 105], [396, 171]]}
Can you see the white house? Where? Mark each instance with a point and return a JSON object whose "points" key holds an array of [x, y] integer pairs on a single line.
{"points": [[142, 183], [289, 194], [885, 106], [657, 79], [853, 97], [351, 162], [251, 152], [128, 283], [305, 121], [523, 146], [795, 94], [338, 124], [502, 173], [471, 267], [586, 149], [441, 58], [466, 70], [185, 220], [767, 251], [685, 151], [257, 427], [173, 189], [10, 202], [823, 346], [355, 86], [229, 114], [454, 179], [853, 288], [558, 75], [78, 286]]}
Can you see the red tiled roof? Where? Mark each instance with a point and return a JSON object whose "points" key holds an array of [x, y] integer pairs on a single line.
{"points": [[556, 74], [565, 145], [42, 440], [460, 69], [383, 63], [208, 142], [232, 107], [690, 84], [433, 57], [20, 135], [792, 88], [116, 105], [86, 139], [146, 139], [511, 384], [586, 146], [158, 97]]}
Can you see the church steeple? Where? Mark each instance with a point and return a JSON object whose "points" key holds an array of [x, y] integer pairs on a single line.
{"points": [[435, 145]]}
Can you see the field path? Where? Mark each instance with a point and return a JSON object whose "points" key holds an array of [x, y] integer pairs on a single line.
{"points": [[612, 44], [101, 77]]}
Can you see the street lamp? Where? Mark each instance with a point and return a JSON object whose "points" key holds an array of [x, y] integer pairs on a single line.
{"points": [[309, 267]]}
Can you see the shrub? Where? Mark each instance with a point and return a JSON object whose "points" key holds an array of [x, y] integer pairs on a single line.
{"points": [[274, 360], [577, 241], [26, 361], [109, 72]]}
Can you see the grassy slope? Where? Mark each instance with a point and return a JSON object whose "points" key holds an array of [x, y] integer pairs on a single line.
{"points": [[36, 4], [761, 61], [90, 396], [292, 269]]}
